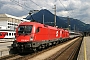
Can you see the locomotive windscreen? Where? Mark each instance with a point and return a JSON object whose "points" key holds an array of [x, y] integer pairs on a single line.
{"points": [[26, 29]]}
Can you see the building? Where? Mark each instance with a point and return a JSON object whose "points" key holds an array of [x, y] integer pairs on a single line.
{"points": [[10, 22]]}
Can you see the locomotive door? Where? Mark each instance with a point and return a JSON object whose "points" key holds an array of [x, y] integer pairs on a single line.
{"points": [[41, 34]]}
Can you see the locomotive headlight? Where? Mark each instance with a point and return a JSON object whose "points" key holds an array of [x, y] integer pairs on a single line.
{"points": [[31, 39]]}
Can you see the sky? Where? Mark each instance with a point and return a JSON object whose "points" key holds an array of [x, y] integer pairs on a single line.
{"points": [[77, 9]]}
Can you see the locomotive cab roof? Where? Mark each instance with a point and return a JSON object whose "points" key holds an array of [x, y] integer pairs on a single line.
{"points": [[37, 24]]}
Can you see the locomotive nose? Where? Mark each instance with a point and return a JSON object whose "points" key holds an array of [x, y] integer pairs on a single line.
{"points": [[24, 38]]}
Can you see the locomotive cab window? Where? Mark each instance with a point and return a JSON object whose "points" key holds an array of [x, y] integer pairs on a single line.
{"points": [[25, 29], [37, 30]]}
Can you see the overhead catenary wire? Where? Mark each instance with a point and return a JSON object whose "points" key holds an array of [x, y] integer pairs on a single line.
{"points": [[36, 4], [54, 4], [65, 7], [67, 16], [71, 8], [21, 5], [27, 8]]}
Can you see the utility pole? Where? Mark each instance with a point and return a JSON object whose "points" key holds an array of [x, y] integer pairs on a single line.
{"points": [[74, 28], [43, 18], [68, 22], [54, 15]]}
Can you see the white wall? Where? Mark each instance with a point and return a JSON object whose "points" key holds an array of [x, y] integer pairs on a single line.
{"points": [[3, 24]]}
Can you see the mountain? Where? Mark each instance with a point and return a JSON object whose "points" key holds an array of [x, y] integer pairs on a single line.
{"points": [[60, 21], [76, 24], [48, 18]]}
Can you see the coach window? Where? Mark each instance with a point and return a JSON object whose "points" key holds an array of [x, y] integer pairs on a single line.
{"points": [[12, 34], [9, 34], [37, 30]]}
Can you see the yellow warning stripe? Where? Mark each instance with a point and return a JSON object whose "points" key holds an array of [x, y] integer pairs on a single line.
{"points": [[85, 55]]}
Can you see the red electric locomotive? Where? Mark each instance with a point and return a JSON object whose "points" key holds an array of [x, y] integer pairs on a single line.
{"points": [[33, 35]]}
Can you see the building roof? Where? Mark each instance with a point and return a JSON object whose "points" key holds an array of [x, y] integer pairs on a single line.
{"points": [[11, 16]]}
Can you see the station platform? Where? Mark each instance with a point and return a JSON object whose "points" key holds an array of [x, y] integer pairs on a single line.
{"points": [[84, 53], [6, 40]]}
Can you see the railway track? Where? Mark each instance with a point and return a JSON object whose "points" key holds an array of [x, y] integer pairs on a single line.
{"points": [[31, 55], [24, 57], [68, 53]]}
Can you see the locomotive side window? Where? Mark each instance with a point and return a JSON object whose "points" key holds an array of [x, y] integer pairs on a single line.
{"points": [[62, 32], [37, 30], [25, 29]]}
